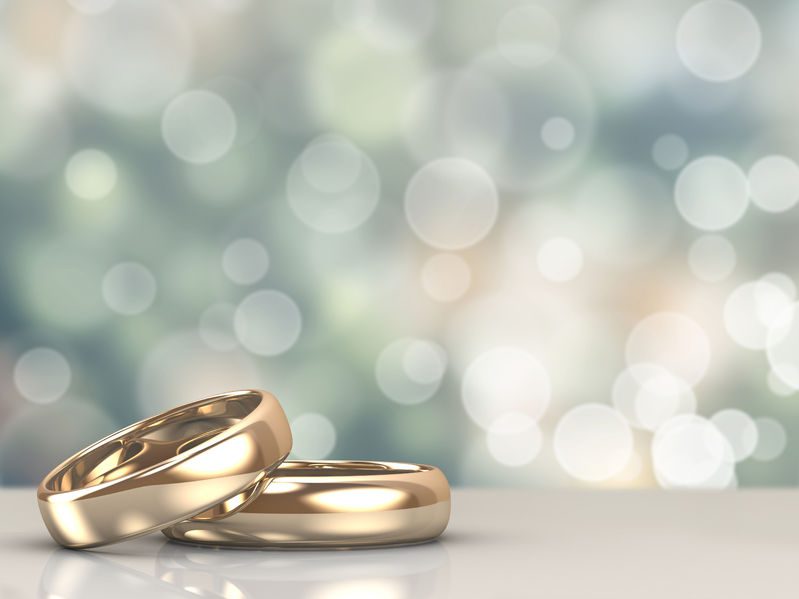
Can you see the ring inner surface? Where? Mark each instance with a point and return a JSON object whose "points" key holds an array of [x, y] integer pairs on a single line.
{"points": [[154, 441], [328, 469]]}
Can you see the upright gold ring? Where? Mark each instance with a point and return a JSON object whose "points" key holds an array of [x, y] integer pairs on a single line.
{"points": [[165, 469], [331, 504]]}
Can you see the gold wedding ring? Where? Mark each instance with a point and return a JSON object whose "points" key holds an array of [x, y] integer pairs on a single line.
{"points": [[162, 470], [331, 504]]}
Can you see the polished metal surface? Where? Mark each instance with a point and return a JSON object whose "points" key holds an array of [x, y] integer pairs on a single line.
{"points": [[331, 504], [166, 468]]}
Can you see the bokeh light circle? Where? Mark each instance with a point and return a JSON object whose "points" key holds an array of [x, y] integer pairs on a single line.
{"points": [[409, 371], [245, 261], [503, 380], [333, 187], [689, 451], [451, 203], [718, 40], [712, 193], [42, 375], [528, 35], [777, 386], [91, 174], [560, 259], [199, 127], [446, 277], [314, 436], [593, 442], [774, 183], [557, 133], [782, 345], [131, 58], [673, 341], [772, 440], [514, 439], [712, 258], [670, 151], [740, 431], [647, 395], [782, 282], [267, 322], [129, 288], [751, 310]]}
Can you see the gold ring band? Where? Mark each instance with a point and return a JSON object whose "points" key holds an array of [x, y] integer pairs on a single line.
{"points": [[331, 504], [165, 469]]}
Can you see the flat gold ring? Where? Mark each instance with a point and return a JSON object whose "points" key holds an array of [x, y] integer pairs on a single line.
{"points": [[154, 473], [331, 504]]}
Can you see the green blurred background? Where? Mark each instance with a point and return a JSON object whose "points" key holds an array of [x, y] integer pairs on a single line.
{"points": [[534, 243]]}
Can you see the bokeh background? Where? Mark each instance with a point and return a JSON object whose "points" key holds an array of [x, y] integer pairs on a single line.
{"points": [[535, 243]]}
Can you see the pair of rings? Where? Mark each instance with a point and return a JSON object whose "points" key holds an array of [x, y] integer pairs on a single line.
{"points": [[213, 473]]}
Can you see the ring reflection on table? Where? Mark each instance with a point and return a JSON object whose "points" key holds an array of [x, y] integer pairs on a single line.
{"points": [[396, 573], [332, 504]]}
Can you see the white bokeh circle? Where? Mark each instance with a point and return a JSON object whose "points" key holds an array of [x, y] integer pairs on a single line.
{"points": [[199, 127], [772, 440], [774, 183], [751, 310], [560, 259], [782, 345], [673, 341], [669, 151], [245, 261], [712, 258], [712, 193], [333, 186], [267, 322], [647, 395], [91, 174], [409, 371], [451, 203], [593, 442], [514, 439], [718, 40], [504, 380], [42, 375], [446, 277], [314, 436], [689, 451], [129, 288], [557, 133], [739, 429]]}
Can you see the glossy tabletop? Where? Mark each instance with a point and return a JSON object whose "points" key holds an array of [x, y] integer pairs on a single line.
{"points": [[500, 543]]}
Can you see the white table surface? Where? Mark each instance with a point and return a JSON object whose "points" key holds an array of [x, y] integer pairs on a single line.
{"points": [[500, 543]]}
